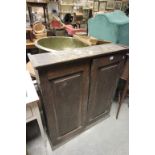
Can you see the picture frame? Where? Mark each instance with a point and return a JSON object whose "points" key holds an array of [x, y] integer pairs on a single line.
{"points": [[124, 5], [95, 6], [118, 5], [110, 5], [102, 5]]}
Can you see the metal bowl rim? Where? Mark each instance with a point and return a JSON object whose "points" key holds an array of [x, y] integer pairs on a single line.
{"points": [[47, 49]]}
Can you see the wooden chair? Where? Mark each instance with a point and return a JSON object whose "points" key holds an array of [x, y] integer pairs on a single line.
{"points": [[78, 19], [125, 77], [35, 3]]}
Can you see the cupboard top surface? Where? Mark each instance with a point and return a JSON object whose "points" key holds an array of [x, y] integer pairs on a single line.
{"points": [[46, 59]]}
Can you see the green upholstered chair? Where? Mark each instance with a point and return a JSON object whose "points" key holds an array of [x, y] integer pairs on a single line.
{"points": [[112, 26]]}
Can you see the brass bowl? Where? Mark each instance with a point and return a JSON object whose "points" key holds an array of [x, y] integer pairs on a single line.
{"points": [[58, 43]]}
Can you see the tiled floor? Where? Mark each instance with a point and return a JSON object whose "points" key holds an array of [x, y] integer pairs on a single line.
{"points": [[109, 137]]}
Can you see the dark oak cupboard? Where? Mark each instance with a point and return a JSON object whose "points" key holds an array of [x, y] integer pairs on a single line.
{"points": [[77, 93]]}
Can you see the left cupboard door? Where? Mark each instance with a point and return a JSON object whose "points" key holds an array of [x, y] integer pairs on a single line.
{"points": [[65, 95]]}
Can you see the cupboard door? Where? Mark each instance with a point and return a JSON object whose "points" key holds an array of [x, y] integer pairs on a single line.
{"points": [[105, 73], [65, 91]]}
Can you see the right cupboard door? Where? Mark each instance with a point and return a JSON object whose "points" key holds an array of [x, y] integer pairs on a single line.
{"points": [[105, 73]]}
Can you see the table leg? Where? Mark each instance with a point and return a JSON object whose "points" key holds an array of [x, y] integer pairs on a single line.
{"points": [[41, 127], [44, 13], [30, 14], [37, 112], [47, 15], [122, 97]]}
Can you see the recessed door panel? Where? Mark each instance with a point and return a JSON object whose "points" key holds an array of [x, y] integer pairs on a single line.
{"points": [[67, 102], [65, 94], [104, 76]]}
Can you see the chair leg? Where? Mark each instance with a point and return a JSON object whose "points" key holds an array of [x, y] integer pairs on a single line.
{"points": [[119, 98], [122, 97]]}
